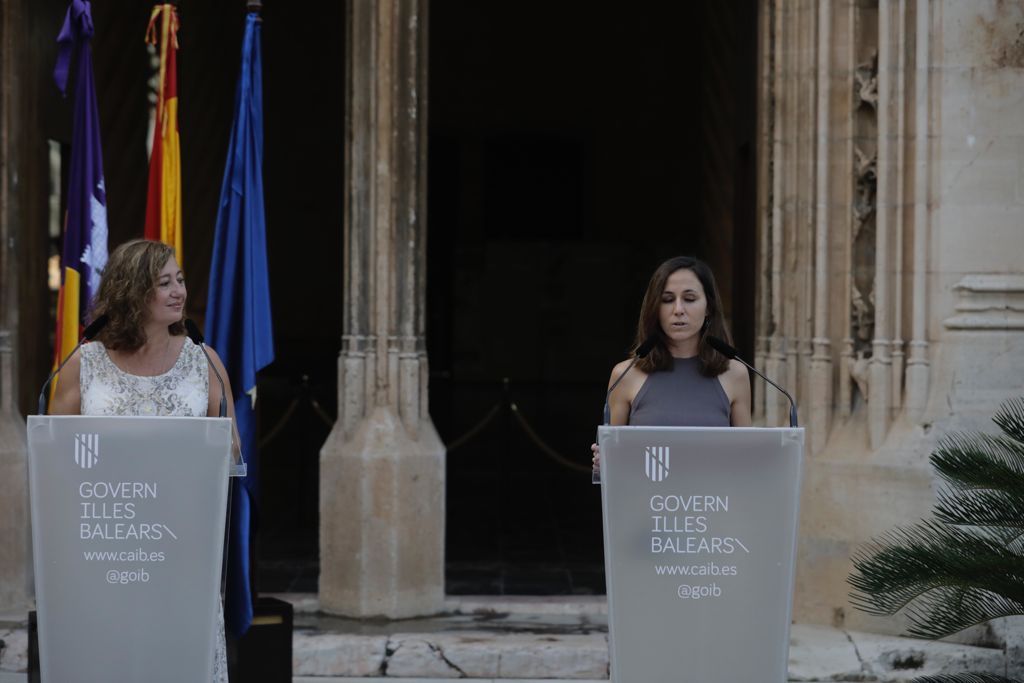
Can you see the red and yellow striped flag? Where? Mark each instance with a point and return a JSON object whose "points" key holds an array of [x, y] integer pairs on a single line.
{"points": [[163, 200]]}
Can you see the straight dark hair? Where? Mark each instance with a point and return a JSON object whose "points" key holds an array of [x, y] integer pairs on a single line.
{"points": [[712, 363]]}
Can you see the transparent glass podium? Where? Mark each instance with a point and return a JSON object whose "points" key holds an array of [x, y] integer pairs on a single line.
{"points": [[700, 529], [128, 528]]}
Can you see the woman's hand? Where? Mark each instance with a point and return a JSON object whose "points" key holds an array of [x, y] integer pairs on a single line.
{"points": [[596, 460]]}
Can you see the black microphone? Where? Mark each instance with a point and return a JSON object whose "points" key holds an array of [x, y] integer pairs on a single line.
{"points": [[91, 330], [641, 351], [197, 338], [729, 352]]}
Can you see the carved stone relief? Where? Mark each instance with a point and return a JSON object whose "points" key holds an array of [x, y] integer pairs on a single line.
{"points": [[865, 172], [866, 81]]}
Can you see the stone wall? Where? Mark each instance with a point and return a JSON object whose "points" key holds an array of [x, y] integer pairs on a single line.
{"points": [[17, 166], [891, 289]]}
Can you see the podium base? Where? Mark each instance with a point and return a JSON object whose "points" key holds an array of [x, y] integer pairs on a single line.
{"points": [[33, 649], [264, 653]]}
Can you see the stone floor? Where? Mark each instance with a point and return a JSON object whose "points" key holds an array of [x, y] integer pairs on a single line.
{"points": [[518, 639]]}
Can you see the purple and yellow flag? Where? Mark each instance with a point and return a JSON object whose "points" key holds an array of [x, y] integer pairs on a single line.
{"points": [[85, 225], [163, 199]]}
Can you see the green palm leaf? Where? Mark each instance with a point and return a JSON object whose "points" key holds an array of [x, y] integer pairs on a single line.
{"points": [[967, 461], [935, 566], [1010, 419], [983, 508], [965, 678], [947, 610], [966, 565]]}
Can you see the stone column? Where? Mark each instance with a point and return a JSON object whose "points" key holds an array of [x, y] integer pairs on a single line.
{"points": [[15, 548], [880, 377], [382, 469], [818, 420], [918, 366]]}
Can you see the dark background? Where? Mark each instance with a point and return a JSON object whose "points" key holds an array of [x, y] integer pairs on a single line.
{"points": [[571, 150]]}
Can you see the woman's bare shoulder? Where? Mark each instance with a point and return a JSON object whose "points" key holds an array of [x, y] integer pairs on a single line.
{"points": [[736, 370], [631, 381], [619, 368], [67, 396]]}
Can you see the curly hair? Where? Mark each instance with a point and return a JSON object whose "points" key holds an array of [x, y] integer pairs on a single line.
{"points": [[712, 363], [126, 288]]}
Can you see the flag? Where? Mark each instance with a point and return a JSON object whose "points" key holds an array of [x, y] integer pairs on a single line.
{"points": [[238, 321], [163, 199], [85, 224]]}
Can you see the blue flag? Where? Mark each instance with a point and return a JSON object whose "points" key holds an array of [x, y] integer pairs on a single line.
{"points": [[238, 321]]}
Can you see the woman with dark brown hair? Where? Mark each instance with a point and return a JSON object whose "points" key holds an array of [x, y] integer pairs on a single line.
{"points": [[142, 363], [682, 382]]}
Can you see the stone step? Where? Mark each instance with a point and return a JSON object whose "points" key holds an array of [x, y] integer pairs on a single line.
{"points": [[507, 640]]}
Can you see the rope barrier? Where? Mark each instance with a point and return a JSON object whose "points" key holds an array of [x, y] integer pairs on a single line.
{"points": [[469, 435], [476, 429], [276, 429], [324, 417], [543, 446], [290, 410]]}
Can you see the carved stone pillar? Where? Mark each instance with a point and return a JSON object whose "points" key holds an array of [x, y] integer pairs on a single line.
{"points": [[15, 548], [773, 235], [382, 467], [918, 367], [820, 391], [886, 226]]}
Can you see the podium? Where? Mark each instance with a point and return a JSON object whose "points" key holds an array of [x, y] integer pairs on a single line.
{"points": [[700, 528], [128, 519]]}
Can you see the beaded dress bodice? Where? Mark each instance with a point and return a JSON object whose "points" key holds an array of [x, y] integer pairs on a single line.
{"points": [[108, 390]]}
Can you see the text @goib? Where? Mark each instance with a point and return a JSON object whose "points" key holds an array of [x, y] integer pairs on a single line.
{"points": [[687, 592], [124, 577]]}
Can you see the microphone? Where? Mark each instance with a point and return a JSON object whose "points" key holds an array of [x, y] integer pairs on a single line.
{"points": [[91, 330], [729, 352], [197, 338], [641, 351]]}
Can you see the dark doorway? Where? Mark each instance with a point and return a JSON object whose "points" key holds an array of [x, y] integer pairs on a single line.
{"points": [[571, 150]]}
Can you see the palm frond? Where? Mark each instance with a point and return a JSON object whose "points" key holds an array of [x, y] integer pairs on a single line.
{"points": [[971, 460], [983, 508], [1010, 418], [921, 561], [966, 565], [965, 678], [950, 609]]}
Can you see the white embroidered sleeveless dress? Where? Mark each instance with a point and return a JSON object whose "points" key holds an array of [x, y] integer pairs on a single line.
{"points": [[183, 391]]}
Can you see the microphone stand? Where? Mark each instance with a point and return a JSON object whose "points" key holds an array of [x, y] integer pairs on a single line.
{"points": [[792, 403], [641, 352], [731, 353], [607, 408]]}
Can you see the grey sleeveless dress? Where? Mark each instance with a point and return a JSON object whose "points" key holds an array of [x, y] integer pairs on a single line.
{"points": [[183, 390], [681, 397]]}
